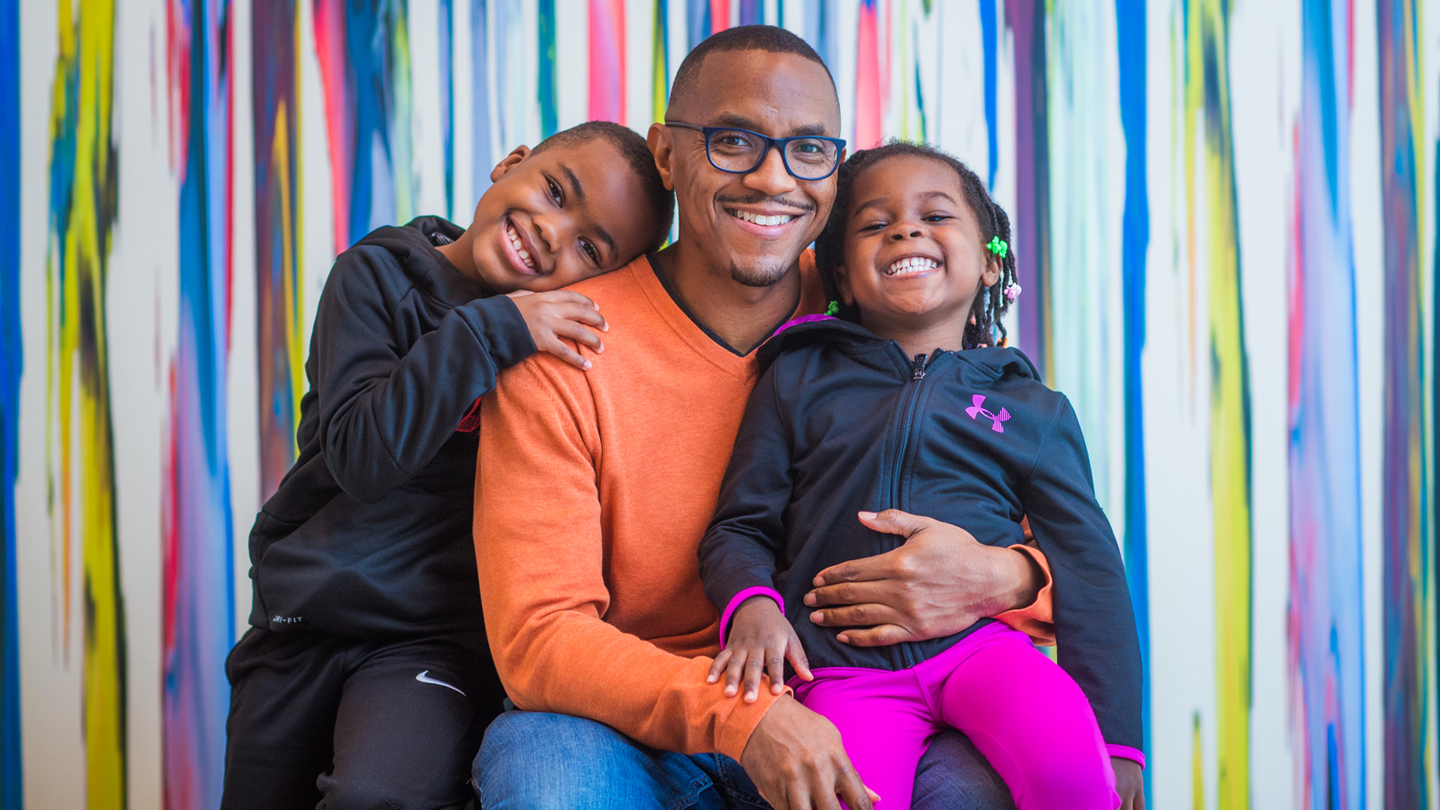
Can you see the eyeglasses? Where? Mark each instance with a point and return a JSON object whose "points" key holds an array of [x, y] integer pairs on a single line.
{"points": [[740, 151]]}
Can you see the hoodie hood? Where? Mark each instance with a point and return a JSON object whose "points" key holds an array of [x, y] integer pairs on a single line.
{"points": [[414, 246], [979, 367]]}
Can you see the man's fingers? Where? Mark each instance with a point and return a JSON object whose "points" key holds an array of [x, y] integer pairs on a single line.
{"points": [[865, 569], [880, 636], [894, 521], [865, 614], [850, 788], [519, 293], [847, 593]]}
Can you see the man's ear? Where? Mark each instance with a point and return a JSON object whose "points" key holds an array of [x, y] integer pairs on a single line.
{"points": [[842, 281], [509, 162], [659, 142]]}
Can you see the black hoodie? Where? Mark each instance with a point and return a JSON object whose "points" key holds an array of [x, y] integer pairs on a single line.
{"points": [[369, 533], [843, 420]]}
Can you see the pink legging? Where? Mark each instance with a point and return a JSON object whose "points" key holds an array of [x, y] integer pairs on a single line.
{"points": [[1028, 718]]}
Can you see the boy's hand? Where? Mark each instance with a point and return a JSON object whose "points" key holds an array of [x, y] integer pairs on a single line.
{"points": [[561, 314], [760, 639], [1129, 783]]}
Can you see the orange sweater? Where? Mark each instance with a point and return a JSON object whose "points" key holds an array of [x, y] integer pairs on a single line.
{"points": [[593, 491]]}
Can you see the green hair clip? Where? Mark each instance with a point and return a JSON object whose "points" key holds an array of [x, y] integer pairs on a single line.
{"points": [[833, 309], [997, 246]]}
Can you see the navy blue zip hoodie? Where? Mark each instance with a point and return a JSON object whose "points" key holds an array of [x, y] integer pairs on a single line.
{"points": [[369, 534], [842, 420]]}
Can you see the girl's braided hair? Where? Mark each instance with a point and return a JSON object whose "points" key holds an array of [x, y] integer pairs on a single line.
{"points": [[984, 327]]}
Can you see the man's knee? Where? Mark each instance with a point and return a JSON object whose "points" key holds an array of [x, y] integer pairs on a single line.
{"points": [[954, 775], [542, 760]]}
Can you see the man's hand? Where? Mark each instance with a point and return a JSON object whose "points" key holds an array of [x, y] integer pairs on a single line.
{"points": [[760, 641], [941, 581], [561, 314], [1129, 783], [797, 762]]}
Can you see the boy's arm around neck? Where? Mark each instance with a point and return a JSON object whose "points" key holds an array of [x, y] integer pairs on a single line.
{"points": [[540, 552], [386, 408]]}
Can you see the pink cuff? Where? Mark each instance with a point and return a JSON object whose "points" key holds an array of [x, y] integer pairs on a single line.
{"points": [[739, 598], [1126, 752]]}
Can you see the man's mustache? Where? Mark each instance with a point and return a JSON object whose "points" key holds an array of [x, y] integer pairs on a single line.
{"points": [[756, 199]]}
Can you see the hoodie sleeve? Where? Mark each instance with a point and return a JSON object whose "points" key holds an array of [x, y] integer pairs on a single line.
{"points": [[1094, 620], [747, 535], [385, 411]]}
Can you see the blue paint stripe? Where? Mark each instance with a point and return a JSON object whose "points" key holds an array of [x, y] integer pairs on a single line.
{"points": [[1135, 240], [11, 366], [989, 38]]}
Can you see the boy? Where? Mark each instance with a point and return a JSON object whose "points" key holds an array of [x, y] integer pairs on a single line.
{"points": [[365, 679]]}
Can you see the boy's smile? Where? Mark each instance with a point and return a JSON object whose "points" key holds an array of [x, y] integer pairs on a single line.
{"points": [[520, 249]]}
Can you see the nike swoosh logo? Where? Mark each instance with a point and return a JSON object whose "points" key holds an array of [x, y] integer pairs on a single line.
{"points": [[423, 678]]}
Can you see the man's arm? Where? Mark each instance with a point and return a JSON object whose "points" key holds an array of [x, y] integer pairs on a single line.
{"points": [[939, 582], [540, 552]]}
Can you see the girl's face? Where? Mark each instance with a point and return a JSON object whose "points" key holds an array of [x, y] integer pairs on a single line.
{"points": [[913, 252]]}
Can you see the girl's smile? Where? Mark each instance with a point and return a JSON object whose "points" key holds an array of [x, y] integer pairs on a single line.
{"points": [[914, 258]]}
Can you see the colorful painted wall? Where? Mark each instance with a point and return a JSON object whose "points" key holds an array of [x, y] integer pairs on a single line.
{"points": [[1226, 219]]}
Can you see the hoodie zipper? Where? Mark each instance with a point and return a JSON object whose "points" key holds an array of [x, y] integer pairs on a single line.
{"points": [[918, 369]]}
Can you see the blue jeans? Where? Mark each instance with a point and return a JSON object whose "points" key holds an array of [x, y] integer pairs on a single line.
{"points": [[535, 760]]}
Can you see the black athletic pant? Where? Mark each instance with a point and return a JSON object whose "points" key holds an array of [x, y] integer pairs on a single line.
{"points": [[322, 721]]}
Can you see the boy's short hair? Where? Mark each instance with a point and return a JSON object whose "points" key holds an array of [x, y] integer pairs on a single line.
{"points": [[637, 155]]}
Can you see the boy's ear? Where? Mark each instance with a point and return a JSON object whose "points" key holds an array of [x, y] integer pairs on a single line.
{"points": [[842, 281], [509, 162], [659, 142]]}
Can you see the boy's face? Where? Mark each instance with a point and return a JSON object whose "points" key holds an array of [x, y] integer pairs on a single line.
{"points": [[558, 216], [913, 256]]}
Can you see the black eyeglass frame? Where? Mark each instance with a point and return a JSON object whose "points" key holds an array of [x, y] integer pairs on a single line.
{"points": [[775, 143]]}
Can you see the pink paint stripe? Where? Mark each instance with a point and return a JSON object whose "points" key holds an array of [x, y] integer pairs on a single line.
{"points": [[607, 60], [867, 80], [758, 590]]}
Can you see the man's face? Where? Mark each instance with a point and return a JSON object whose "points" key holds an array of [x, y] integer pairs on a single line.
{"points": [[779, 95]]}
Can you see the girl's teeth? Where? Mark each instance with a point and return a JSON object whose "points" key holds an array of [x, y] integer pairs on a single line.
{"points": [[913, 264]]}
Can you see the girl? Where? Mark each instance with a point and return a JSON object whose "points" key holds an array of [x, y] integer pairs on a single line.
{"points": [[903, 402]]}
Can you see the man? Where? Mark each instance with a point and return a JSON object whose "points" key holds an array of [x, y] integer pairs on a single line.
{"points": [[594, 489]]}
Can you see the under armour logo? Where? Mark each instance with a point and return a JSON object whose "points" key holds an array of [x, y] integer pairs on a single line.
{"points": [[978, 410]]}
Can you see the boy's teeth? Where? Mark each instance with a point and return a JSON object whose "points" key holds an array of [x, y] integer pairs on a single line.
{"points": [[779, 219], [914, 264], [519, 246]]}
